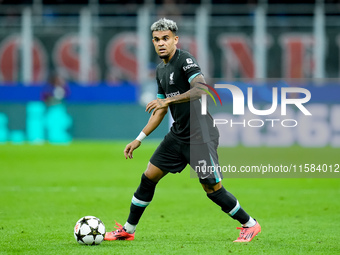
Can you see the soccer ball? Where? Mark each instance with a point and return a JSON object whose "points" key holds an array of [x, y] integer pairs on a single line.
{"points": [[89, 230]]}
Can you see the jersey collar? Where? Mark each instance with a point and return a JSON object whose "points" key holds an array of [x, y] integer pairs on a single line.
{"points": [[173, 57]]}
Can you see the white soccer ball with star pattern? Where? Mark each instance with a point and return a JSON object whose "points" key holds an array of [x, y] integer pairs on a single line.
{"points": [[89, 230]]}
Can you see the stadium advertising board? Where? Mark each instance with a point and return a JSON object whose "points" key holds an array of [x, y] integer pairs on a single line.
{"points": [[114, 58]]}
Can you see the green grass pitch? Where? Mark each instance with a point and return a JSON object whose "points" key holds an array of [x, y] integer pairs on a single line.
{"points": [[45, 189]]}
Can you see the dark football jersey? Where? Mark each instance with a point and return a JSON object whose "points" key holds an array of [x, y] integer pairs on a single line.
{"points": [[173, 78]]}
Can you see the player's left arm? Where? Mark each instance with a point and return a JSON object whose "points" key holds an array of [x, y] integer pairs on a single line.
{"points": [[196, 91]]}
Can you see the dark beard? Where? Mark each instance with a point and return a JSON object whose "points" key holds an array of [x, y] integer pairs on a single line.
{"points": [[164, 57]]}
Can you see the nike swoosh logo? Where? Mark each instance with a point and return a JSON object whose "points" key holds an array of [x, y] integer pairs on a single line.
{"points": [[205, 177]]}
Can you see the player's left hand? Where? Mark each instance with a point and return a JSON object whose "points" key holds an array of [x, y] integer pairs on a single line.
{"points": [[156, 105]]}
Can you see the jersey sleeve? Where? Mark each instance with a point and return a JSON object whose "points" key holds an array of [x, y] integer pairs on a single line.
{"points": [[160, 92], [189, 66]]}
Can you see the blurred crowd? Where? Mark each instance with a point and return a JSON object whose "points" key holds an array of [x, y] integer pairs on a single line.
{"points": [[84, 2]]}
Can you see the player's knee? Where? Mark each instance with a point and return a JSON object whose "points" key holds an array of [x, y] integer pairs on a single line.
{"points": [[153, 173], [151, 177], [210, 188]]}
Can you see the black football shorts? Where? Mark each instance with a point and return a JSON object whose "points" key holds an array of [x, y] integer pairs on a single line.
{"points": [[173, 156]]}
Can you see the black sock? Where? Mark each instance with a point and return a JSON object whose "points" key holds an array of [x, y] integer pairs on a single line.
{"points": [[141, 199], [229, 204]]}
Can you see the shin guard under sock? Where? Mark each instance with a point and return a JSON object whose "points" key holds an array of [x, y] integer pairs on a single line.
{"points": [[229, 204], [141, 199]]}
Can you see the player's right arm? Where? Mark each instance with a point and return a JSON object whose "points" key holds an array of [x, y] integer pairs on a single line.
{"points": [[153, 123]]}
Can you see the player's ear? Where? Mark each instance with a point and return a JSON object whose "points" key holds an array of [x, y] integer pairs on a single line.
{"points": [[153, 40], [176, 39]]}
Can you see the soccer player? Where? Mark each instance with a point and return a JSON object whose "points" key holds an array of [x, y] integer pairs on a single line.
{"points": [[192, 138]]}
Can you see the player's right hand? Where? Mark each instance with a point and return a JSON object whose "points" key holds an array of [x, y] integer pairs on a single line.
{"points": [[130, 148]]}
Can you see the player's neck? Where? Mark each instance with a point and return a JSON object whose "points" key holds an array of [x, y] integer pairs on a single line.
{"points": [[167, 60]]}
